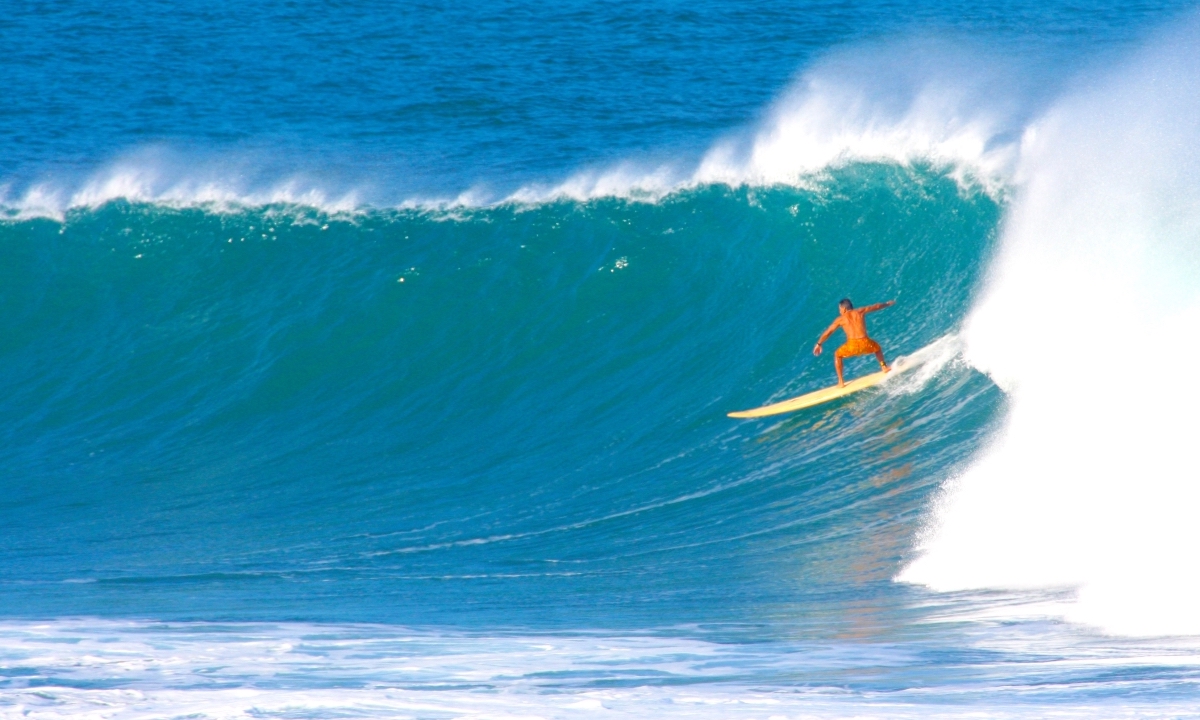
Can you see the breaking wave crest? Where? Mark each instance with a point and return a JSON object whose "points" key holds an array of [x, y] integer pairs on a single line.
{"points": [[903, 102]]}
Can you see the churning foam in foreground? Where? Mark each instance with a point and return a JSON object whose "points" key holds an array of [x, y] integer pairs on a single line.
{"points": [[128, 670], [1091, 322], [902, 102]]}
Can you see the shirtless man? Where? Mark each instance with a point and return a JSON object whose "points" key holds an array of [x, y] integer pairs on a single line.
{"points": [[857, 342]]}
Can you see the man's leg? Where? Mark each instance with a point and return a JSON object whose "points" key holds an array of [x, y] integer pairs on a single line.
{"points": [[837, 365], [882, 363]]}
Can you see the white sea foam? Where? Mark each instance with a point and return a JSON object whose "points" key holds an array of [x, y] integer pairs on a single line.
{"points": [[915, 370], [125, 670], [1089, 321]]}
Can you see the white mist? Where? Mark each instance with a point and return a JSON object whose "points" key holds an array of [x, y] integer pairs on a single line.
{"points": [[1091, 323]]}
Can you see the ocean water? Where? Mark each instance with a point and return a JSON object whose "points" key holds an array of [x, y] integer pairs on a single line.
{"points": [[374, 360]]}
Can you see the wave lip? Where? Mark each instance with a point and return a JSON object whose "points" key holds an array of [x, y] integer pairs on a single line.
{"points": [[901, 103], [159, 176], [895, 103]]}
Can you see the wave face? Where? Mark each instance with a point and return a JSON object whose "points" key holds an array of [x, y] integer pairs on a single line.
{"points": [[515, 414]]}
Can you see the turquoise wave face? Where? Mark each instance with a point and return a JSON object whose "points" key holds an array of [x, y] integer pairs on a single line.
{"points": [[513, 414]]}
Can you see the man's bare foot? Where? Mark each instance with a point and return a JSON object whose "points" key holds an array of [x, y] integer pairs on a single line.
{"points": [[885, 368], [841, 384]]}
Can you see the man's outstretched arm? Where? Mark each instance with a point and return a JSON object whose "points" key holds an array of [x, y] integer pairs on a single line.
{"points": [[878, 306], [825, 335]]}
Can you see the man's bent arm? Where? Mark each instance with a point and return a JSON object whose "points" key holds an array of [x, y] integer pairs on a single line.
{"points": [[829, 331], [878, 306]]}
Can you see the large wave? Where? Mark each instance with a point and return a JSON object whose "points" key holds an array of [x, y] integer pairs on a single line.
{"points": [[600, 300], [514, 412], [512, 401]]}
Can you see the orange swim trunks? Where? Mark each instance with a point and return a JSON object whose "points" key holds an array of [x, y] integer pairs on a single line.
{"points": [[858, 346]]}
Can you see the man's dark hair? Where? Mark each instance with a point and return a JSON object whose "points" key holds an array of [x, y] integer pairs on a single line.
{"points": [[845, 304]]}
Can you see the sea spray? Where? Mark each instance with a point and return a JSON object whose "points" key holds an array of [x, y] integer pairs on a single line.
{"points": [[1089, 321]]}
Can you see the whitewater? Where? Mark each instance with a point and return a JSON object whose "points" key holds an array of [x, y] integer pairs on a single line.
{"points": [[362, 392]]}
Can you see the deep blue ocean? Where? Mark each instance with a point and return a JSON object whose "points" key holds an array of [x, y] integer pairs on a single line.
{"points": [[373, 360]]}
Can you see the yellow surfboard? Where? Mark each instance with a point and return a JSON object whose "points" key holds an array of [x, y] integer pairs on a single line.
{"points": [[816, 398]]}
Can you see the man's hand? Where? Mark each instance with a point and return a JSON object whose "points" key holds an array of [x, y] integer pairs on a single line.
{"points": [[817, 349]]}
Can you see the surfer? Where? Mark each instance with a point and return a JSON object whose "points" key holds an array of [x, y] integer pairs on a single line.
{"points": [[853, 322]]}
